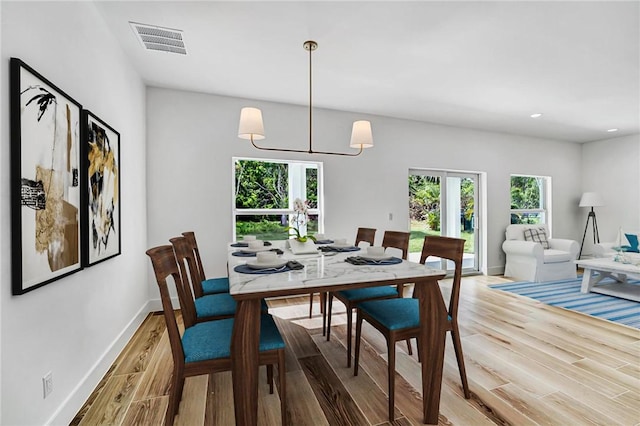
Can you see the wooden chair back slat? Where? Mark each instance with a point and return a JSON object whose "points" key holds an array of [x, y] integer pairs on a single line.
{"points": [[365, 234], [164, 265], [451, 249], [192, 243], [188, 273], [397, 239]]}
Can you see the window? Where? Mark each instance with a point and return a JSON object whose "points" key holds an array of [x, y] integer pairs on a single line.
{"points": [[446, 203], [264, 192], [530, 199]]}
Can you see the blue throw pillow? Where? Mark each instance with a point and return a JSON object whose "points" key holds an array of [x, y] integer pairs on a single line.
{"points": [[633, 242]]}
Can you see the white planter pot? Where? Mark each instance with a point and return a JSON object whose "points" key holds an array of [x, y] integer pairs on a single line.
{"points": [[298, 247]]}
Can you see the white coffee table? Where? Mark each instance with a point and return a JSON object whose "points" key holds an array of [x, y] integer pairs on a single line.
{"points": [[595, 270]]}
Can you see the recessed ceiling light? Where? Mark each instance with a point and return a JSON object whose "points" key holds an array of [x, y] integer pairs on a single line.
{"points": [[612, 130], [536, 115]]}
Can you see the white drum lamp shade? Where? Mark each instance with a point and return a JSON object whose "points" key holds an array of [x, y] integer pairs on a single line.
{"points": [[591, 199], [361, 135], [251, 126]]}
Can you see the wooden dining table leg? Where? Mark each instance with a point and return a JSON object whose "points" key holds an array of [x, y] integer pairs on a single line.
{"points": [[244, 361], [323, 311], [433, 318]]}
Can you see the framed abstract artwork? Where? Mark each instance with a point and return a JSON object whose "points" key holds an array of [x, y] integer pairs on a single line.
{"points": [[46, 194], [101, 200]]}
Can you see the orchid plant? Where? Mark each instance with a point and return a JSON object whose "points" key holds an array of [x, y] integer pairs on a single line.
{"points": [[300, 218]]}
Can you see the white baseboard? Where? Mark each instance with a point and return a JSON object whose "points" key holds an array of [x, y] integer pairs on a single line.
{"points": [[70, 407], [155, 305], [495, 270]]}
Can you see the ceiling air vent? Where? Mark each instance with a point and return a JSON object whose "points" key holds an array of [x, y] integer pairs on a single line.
{"points": [[158, 38]]}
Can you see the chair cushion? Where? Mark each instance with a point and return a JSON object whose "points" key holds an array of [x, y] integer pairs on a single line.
{"points": [[394, 314], [213, 305], [368, 293], [537, 235], [215, 285], [212, 339], [270, 337], [556, 256], [207, 340]]}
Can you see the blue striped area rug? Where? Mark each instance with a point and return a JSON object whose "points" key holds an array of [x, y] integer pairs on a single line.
{"points": [[566, 294]]}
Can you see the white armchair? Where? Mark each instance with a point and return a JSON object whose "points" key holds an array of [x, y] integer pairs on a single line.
{"points": [[528, 261]]}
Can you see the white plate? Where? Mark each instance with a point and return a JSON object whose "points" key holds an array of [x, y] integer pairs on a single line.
{"points": [[264, 265], [250, 250], [376, 258]]}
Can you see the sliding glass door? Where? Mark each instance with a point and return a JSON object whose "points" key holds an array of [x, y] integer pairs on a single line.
{"points": [[444, 203]]}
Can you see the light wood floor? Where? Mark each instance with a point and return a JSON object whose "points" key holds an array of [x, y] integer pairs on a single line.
{"points": [[527, 364]]}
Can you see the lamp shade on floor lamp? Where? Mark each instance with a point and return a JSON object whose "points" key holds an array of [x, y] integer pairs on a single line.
{"points": [[591, 199]]}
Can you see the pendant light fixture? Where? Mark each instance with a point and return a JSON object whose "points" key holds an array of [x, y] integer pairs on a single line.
{"points": [[252, 128]]}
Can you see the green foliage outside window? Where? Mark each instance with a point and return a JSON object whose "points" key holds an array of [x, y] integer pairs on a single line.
{"points": [[526, 194], [424, 210], [312, 188], [267, 227], [424, 199], [467, 203], [261, 185], [265, 185]]}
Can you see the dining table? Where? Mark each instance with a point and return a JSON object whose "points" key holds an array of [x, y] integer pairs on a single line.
{"points": [[328, 272]]}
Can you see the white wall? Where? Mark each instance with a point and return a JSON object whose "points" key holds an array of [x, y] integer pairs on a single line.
{"points": [[68, 327], [612, 168], [3, 216], [192, 138]]}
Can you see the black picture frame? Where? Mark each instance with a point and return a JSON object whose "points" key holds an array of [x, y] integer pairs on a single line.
{"points": [[46, 235], [101, 199]]}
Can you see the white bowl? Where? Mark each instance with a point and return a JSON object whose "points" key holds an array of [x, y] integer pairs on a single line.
{"points": [[278, 263], [375, 251], [266, 257]]}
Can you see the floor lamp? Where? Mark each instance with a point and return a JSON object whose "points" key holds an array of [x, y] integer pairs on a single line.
{"points": [[590, 199]]}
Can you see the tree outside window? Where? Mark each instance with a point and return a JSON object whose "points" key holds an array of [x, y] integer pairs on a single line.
{"points": [[529, 199], [264, 191]]}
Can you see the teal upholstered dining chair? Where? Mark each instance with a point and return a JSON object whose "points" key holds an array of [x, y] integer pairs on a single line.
{"points": [[398, 319], [367, 235], [351, 298], [206, 307], [204, 285], [204, 348], [209, 306]]}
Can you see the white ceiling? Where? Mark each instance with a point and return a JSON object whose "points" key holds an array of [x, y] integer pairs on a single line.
{"points": [[484, 65]]}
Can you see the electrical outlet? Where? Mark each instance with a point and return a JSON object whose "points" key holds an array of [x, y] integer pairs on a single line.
{"points": [[47, 384], [390, 216]]}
